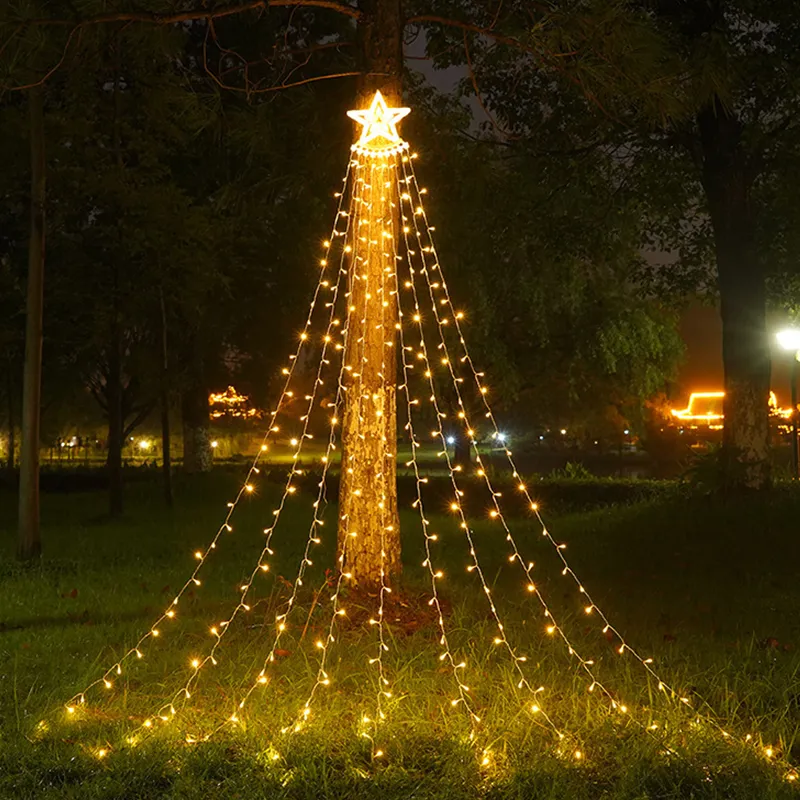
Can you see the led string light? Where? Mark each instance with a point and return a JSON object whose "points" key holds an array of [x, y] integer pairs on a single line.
{"points": [[380, 125], [590, 606], [553, 627], [168, 710], [261, 678], [337, 610], [500, 638], [107, 679], [446, 654]]}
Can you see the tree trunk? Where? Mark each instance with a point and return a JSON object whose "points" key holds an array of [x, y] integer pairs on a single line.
{"points": [[30, 543], [195, 415], [166, 459], [741, 280], [115, 418], [368, 519], [12, 444]]}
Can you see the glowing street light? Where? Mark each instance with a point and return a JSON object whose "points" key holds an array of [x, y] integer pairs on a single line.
{"points": [[789, 340]]}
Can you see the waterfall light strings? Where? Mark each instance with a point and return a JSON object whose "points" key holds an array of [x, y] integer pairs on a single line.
{"points": [[79, 700], [590, 607], [219, 631], [379, 170]]}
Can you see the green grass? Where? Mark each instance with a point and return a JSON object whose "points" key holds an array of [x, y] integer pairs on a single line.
{"points": [[708, 589]]}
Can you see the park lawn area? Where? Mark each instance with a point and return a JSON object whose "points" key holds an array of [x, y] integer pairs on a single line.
{"points": [[708, 588]]}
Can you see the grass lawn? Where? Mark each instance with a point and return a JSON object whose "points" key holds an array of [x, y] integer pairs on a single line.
{"points": [[709, 589]]}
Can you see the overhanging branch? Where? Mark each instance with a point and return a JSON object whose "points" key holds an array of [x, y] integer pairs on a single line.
{"points": [[154, 18]]}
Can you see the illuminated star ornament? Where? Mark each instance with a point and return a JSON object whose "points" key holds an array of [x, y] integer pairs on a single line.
{"points": [[379, 135]]}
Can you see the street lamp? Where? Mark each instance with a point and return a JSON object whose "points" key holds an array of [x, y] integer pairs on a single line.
{"points": [[789, 339]]}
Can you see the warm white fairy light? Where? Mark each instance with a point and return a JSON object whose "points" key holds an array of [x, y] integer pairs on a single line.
{"points": [[447, 654], [410, 183], [79, 699], [552, 627], [184, 693], [312, 538], [457, 507], [337, 611], [382, 148], [377, 186]]}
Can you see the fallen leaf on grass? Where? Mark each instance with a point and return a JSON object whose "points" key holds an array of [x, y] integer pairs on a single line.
{"points": [[283, 653]]}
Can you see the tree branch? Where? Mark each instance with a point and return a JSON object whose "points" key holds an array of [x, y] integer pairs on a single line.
{"points": [[549, 59], [154, 18], [477, 91], [141, 416]]}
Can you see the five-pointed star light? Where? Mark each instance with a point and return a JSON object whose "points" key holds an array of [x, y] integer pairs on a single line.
{"points": [[379, 121]]}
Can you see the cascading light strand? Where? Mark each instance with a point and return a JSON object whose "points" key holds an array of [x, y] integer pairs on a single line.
{"points": [[552, 625], [501, 637], [223, 627], [107, 678], [356, 389], [169, 710], [456, 667], [590, 606], [380, 200]]}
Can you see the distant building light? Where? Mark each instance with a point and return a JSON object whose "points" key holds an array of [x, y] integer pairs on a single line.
{"points": [[451, 440], [705, 408]]}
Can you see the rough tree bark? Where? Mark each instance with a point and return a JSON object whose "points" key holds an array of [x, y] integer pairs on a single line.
{"points": [[30, 543], [369, 429], [745, 345]]}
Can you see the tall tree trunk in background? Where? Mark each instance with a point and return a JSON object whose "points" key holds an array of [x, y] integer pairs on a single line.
{"points": [[30, 543], [742, 289], [195, 414], [166, 458], [115, 420], [12, 444], [369, 439]]}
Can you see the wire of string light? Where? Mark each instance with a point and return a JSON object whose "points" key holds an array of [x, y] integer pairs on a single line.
{"points": [[377, 193], [590, 607], [168, 710], [305, 561], [447, 653], [501, 637], [154, 631], [355, 394], [553, 626]]}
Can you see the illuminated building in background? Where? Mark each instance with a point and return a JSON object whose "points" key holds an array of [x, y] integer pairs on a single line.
{"points": [[231, 404], [705, 410]]}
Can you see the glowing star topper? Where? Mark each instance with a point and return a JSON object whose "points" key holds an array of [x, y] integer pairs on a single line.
{"points": [[380, 125]]}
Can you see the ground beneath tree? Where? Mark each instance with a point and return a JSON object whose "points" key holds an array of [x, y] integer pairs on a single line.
{"points": [[404, 612]]}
